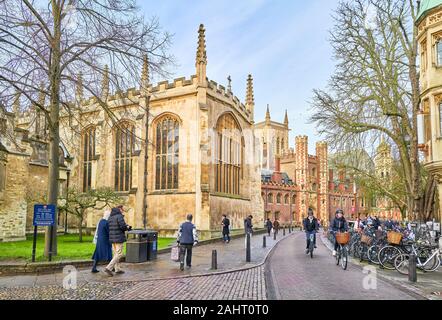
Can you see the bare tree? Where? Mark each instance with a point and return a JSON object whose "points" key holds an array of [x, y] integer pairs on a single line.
{"points": [[78, 203], [374, 91], [53, 43]]}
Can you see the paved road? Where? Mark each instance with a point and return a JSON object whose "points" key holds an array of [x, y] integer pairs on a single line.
{"points": [[293, 275]]}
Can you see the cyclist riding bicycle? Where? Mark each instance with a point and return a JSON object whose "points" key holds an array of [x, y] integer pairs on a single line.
{"points": [[339, 224], [311, 226]]}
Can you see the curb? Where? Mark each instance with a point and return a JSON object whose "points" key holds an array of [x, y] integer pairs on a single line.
{"points": [[409, 288], [27, 268], [212, 273]]}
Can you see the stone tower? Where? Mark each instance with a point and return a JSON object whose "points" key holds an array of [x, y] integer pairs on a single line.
{"points": [[429, 25], [322, 163], [301, 173], [383, 161]]}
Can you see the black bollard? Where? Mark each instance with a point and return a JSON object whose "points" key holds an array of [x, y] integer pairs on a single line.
{"points": [[412, 274], [283, 231], [290, 230], [264, 242], [214, 260], [274, 235], [248, 247]]}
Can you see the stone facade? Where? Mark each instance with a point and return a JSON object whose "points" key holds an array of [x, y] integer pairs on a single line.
{"points": [[196, 108], [429, 24]]}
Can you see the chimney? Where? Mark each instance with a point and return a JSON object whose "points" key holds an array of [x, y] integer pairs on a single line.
{"points": [[277, 164]]}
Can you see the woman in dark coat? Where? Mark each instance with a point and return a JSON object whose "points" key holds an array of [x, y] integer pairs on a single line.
{"points": [[103, 249]]}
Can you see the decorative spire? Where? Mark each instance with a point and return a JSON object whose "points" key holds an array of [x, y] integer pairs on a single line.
{"points": [[16, 104], [145, 76], [250, 98], [79, 89], [229, 84], [201, 57], [286, 119], [268, 114], [105, 83], [201, 54]]}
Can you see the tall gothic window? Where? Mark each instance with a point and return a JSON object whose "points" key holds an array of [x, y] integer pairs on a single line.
{"points": [[286, 199], [439, 53], [88, 156], [124, 152], [278, 198], [270, 198], [278, 146], [229, 151], [167, 154]]}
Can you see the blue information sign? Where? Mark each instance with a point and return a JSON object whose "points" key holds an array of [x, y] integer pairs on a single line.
{"points": [[44, 215]]}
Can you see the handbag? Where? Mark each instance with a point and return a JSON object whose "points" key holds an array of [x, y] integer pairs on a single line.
{"points": [[175, 254]]}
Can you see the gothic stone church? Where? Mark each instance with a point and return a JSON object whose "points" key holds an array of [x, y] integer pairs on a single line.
{"points": [[201, 151]]}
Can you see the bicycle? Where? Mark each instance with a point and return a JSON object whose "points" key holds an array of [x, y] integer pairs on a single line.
{"points": [[311, 246], [424, 256], [342, 238]]}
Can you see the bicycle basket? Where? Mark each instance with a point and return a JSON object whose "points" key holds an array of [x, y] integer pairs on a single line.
{"points": [[394, 237], [342, 237], [366, 239]]}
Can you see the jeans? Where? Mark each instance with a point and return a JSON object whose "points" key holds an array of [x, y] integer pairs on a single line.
{"points": [[269, 230], [186, 251], [308, 233]]}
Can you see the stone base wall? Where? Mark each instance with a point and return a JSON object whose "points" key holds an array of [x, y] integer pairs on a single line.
{"points": [[13, 203]]}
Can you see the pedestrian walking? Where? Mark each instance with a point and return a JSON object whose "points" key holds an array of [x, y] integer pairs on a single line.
{"points": [[117, 236], [276, 226], [269, 226], [187, 238], [248, 228], [226, 229], [103, 248]]}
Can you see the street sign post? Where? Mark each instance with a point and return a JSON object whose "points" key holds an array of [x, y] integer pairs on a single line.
{"points": [[44, 216]]}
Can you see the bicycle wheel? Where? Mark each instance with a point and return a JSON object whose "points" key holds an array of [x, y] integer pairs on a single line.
{"points": [[311, 248], [338, 256], [387, 255], [373, 254], [344, 258], [401, 263], [430, 264], [363, 252]]}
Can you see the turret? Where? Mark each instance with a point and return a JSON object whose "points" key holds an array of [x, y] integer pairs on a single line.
{"points": [[268, 115], [144, 88], [105, 84], [250, 97]]}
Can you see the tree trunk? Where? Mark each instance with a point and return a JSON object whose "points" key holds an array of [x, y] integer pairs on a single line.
{"points": [[80, 229], [54, 134]]}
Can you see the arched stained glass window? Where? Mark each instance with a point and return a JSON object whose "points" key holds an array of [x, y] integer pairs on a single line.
{"points": [[88, 156], [124, 152], [229, 153], [167, 154]]}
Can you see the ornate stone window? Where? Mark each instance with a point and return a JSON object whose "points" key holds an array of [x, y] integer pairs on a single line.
{"points": [[286, 199], [439, 53], [124, 153], [167, 154], [229, 150], [88, 157], [270, 198], [278, 146], [278, 198]]}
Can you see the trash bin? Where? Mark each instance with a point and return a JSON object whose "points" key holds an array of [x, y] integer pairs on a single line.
{"points": [[152, 245], [136, 246]]}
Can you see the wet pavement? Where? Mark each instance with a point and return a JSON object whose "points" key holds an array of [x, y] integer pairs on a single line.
{"points": [[231, 257]]}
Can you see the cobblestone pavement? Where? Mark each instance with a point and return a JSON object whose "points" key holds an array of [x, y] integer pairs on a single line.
{"points": [[170, 283], [240, 285], [294, 275]]}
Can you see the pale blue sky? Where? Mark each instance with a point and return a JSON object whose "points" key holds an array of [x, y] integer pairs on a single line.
{"points": [[282, 43]]}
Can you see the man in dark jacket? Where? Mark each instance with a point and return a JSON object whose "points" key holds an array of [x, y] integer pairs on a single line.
{"points": [[311, 226], [187, 238], [339, 224], [389, 224], [117, 236], [226, 228], [269, 226], [276, 226]]}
